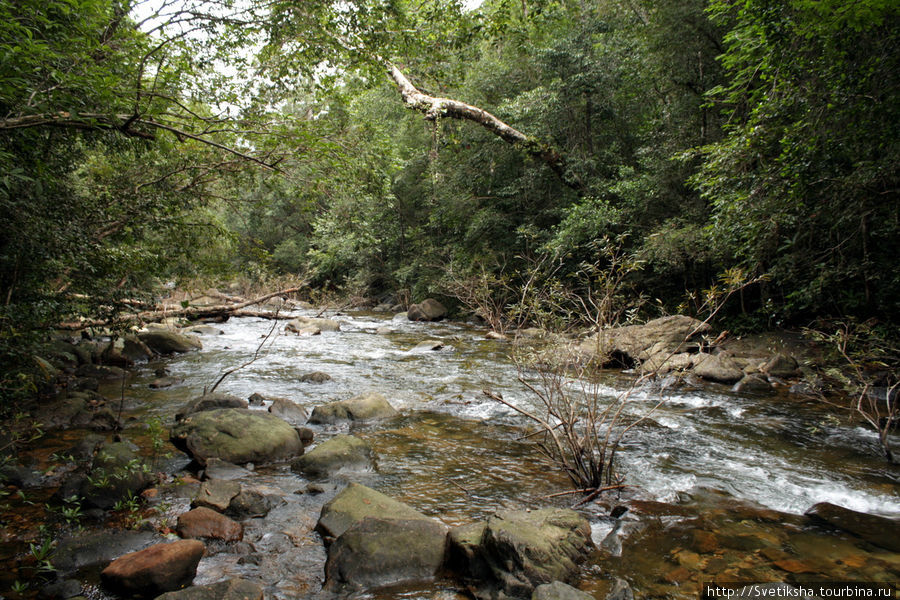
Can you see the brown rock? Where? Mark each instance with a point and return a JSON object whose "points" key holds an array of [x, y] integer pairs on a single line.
{"points": [[792, 565], [154, 570], [704, 542], [206, 523], [216, 494], [678, 575]]}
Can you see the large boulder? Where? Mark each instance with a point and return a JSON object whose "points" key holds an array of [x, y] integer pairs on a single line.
{"points": [[338, 453], [231, 589], [210, 402], [356, 502], [426, 310], [154, 570], [365, 407], [633, 344], [203, 522], [306, 324], [164, 341], [377, 552], [877, 530], [522, 550], [716, 367], [237, 436]]}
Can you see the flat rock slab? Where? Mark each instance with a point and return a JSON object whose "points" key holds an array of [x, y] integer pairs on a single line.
{"points": [[216, 494], [339, 453], [89, 549], [204, 522], [364, 407], [154, 570], [232, 589], [237, 436], [356, 502], [216, 468], [880, 531], [378, 552]]}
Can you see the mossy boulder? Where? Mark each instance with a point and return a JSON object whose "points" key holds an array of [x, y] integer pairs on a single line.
{"points": [[378, 552], [356, 502], [364, 407], [237, 436], [210, 402], [338, 453], [164, 341]]}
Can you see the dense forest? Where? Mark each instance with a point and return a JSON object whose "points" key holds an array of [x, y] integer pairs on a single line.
{"points": [[396, 148]]}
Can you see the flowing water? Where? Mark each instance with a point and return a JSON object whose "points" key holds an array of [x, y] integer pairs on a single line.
{"points": [[721, 480]]}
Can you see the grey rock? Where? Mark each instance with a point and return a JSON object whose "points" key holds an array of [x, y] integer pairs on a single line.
{"points": [[231, 589], [341, 452], [427, 310], [356, 502], [209, 402], [364, 407], [558, 591]]}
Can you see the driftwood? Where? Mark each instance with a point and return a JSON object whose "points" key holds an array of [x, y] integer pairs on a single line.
{"points": [[191, 312]]}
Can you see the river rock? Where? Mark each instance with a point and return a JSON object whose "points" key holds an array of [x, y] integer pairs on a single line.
{"points": [[154, 570], [365, 407], [877, 530], [204, 330], [203, 522], [338, 453], [164, 341], [301, 324], [427, 346], [216, 494], [377, 552], [231, 589], [427, 310], [781, 365], [209, 402], [287, 410], [715, 367], [632, 344], [558, 591], [116, 473], [253, 502], [237, 436], [315, 377], [356, 502], [525, 549], [753, 384], [100, 371]]}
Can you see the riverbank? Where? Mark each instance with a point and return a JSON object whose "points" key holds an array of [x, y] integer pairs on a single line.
{"points": [[454, 456]]}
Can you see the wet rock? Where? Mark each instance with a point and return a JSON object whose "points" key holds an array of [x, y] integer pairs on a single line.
{"points": [[315, 377], [525, 549], [877, 530], [203, 522], [164, 341], [216, 468], [400, 316], [339, 453], [302, 324], [96, 548], [256, 399], [204, 330], [306, 435], [464, 551], [781, 365], [216, 494], [287, 410], [558, 591], [356, 502], [426, 310], [715, 367], [384, 330], [237, 436], [496, 335], [154, 570], [377, 552], [209, 402], [100, 372], [64, 588], [427, 346], [232, 589], [253, 502], [135, 350], [753, 384], [620, 590], [365, 407], [666, 362]]}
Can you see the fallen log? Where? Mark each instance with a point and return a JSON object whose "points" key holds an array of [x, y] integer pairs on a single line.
{"points": [[191, 312]]}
